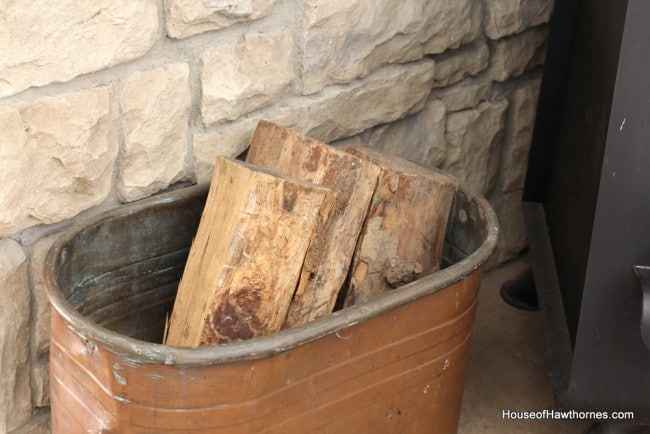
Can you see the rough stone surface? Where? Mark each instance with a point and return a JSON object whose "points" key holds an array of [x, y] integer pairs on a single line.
{"points": [[459, 24], [55, 43], [40, 382], [155, 110], [246, 75], [512, 237], [388, 94], [419, 137], [230, 140], [40, 423], [345, 39], [519, 133], [464, 94], [15, 396], [40, 323], [513, 55], [505, 17], [56, 156], [474, 139], [40, 327], [453, 66], [188, 17]]}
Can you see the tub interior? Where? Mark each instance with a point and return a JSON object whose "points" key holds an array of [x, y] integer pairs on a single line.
{"points": [[122, 270]]}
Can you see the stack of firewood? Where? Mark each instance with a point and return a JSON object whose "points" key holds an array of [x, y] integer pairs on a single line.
{"points": [[299, 226]]}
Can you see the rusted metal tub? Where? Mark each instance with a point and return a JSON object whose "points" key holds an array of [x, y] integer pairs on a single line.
{"points": [[395, 364]]}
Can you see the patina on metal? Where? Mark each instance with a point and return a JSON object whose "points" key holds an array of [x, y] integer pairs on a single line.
{"points": [[394, 364]]}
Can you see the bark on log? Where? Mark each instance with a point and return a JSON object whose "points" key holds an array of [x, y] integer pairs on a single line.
{"points": [[245, 261], [328, 260], [403, 235]]}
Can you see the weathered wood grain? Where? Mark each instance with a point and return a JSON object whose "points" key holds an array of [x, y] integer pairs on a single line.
{"points": [[328, 259], [246, 259], [402, 237]]}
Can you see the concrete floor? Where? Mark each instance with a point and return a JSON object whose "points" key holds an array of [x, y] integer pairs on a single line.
{"points": [[507, 366]]}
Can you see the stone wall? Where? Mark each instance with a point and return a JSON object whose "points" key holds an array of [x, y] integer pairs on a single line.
{"points": [[109, 101]]}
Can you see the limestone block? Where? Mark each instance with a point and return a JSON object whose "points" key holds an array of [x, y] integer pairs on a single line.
{"points": [[513, 55], [512, 236], [230, 140], [388, 94], [40, 323], [458, 24], [15, 396], [246, 75], [519, 133], [474, 144], [155, 109], [505, 17], [56, 156], [465, 94], [40, 382], [359, 140], [453, 66], [419, 137], [185, 18], [55, 43], [40, 423], [346, 39]]}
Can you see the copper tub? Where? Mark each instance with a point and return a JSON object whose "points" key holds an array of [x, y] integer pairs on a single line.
{"points": [[393, 365]]}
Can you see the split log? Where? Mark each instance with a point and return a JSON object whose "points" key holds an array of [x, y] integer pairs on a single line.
{"points": [[246, 259], [328, 260], [403, 235]]}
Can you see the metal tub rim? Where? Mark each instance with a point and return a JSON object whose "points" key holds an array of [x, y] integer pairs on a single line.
{"points": [[143, 352]]}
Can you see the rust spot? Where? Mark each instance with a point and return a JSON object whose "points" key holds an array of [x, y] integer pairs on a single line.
{"points": [[289, 195], [236, 319], [248, 297], [313, 158], [229, 324], [378, 210]]}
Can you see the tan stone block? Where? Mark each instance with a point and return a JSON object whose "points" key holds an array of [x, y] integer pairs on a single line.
{"points": [[474, 139], [388, 94], [347, 39], [57, 156], [188, 17], [40, 323], [505, 17], [56, 42], [419, 137], [15, 395], [155, 111], [40, 382], [465, 94], [513, 55], [246, 75], [458, 23], [519, 133], [230, 140], [453, 66], [39, 423]]}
